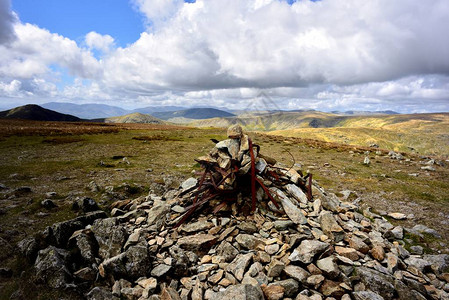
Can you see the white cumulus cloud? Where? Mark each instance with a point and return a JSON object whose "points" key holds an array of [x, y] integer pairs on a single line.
{"points": [[100, 42]]}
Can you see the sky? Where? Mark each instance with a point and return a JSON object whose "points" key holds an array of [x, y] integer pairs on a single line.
{"points": [[328, 55]]}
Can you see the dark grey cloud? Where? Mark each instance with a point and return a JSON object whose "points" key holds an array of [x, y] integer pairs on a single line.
{"points": [[7, 20]]}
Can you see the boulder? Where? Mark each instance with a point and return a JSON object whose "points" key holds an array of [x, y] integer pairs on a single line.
{"points": [[377, 282], [110, 235], [307, 250], [241, 292], [51, 267]]}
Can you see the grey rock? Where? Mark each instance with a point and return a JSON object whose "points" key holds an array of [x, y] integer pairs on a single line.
{"points": [[294, 191], [231, 145], [248, 227], [330, 226], [439, 261], [227, 251], [189, 184], [110, 235], [425, 229], [239, 265], [87, 245], [417, 250], [197, 226], [328, 266], [160, 270], [48, 204], [156, 215], [59, 233], [283, 224], [272, 249], [275, 268], [418, 262], [307, 250], [292, 211], [297, 273], [137, 261], [100, 293], [291, 287], [51, 268], [28, 247], [248, 241], [398, 232], [241, 292], [235, 131], [86, 204], [134, 263], [367, 295], [377, 282], [197, 242]]}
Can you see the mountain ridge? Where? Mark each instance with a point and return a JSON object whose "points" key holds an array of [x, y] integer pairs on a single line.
{"points": [[37, 113]]}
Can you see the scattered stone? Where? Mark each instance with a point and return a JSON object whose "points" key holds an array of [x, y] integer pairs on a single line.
{"points": [[241, 292], [273, 292], [248, 241], [307, 251], [275, 268], [188, 185], [48, 204], [398, 216], [197, 242], [328, 266], [297, 273], [160, 270], [239, 265]]}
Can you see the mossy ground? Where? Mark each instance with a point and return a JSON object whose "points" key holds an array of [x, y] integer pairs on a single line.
{"points": [[65, 158]]}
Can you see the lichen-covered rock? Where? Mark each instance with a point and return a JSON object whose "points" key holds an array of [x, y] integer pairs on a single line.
{"points": [[51, 267], [110, 235]]}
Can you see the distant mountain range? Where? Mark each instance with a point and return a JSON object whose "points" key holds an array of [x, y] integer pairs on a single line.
{"points": [[35, 112], [193, 113], [98, 111]]}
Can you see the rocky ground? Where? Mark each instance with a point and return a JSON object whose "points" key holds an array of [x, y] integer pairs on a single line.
{"points": [[326, 247]]}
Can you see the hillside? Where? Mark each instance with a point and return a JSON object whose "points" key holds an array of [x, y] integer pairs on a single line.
{"points": [[37, 113], [86, 111], [134, 118], [192, 113], [421, 133]]}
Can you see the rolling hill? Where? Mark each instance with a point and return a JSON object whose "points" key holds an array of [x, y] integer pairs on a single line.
{"points": [[134, 118], [192, 113], [37, 113], [419, 133]]}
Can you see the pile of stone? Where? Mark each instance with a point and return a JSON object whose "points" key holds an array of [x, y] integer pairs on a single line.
{"points": [[236, 175], [315, 247]]}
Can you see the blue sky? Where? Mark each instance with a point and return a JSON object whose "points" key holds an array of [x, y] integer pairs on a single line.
{"points": [[75, 18], [325, 55]]}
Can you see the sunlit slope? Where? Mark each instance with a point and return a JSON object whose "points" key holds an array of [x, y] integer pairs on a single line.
{"points": [[275, 121], [423, 133]]}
